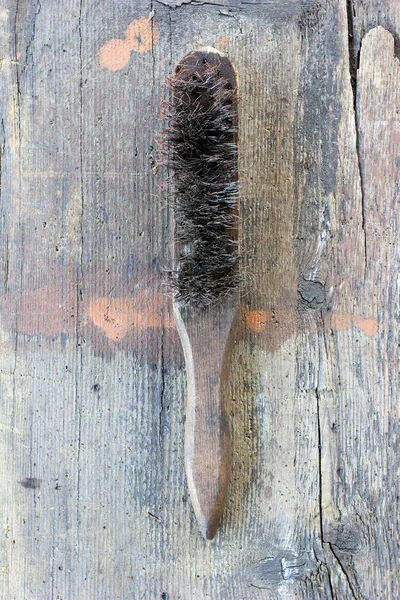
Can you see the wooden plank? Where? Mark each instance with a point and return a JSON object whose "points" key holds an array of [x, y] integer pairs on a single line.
{"points": [[366, 493], [349, 368], [93, 494], [40, 357], [348, 388]]}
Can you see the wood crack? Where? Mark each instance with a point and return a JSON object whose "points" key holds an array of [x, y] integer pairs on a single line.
{"points": [[326, 544], [162, 391], [33, 33], [320, 476], [258, 587], [319, 439], [353, 68], [151, 17], [355, 592], [17, 76], [234, 4]]}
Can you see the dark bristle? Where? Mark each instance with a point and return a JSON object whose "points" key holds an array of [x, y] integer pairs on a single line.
{"points": [[201, 151]]}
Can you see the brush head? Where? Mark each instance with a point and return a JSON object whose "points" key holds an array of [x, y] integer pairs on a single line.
{"points": [[201, 150]]}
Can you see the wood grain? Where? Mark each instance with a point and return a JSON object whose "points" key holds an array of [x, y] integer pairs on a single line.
{"points": [[206, 340], [92, 378]]}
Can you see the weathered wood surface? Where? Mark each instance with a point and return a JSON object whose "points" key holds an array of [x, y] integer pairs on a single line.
{"points": [[93, 496]]}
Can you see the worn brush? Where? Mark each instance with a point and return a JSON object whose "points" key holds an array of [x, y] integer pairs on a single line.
{"points": [[202, 153]]}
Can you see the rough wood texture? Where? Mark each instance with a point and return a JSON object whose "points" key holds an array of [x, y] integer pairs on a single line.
{"points": [[93, 494]]}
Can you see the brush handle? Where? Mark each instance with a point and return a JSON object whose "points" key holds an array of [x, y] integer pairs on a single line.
{"points": [[205, 335]]}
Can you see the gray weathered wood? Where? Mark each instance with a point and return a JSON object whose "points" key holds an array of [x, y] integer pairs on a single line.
{"points": [[93, 494]]}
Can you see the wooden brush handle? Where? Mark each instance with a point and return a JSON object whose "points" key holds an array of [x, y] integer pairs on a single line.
{"points": [[204, 139], [204, 335]]}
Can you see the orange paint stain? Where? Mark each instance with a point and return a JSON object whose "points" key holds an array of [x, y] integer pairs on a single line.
{"points": [[114, 55], [224, 41], [117, 316], [256, 320], [272, 327], [368, 326], [140, 36], [339, 321]]}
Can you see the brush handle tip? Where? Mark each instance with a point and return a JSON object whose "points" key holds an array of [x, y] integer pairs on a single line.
{"points": [[205, 336]]}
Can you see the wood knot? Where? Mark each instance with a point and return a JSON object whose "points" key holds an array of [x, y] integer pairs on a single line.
{"points": [[30, 483], [311, 293], [346, 538]]}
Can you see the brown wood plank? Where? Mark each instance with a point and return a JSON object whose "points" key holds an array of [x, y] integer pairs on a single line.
{"points": [[93, 494]]}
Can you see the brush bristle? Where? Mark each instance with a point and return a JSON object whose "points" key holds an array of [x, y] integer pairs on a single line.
{"points": [[201, 149]]}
